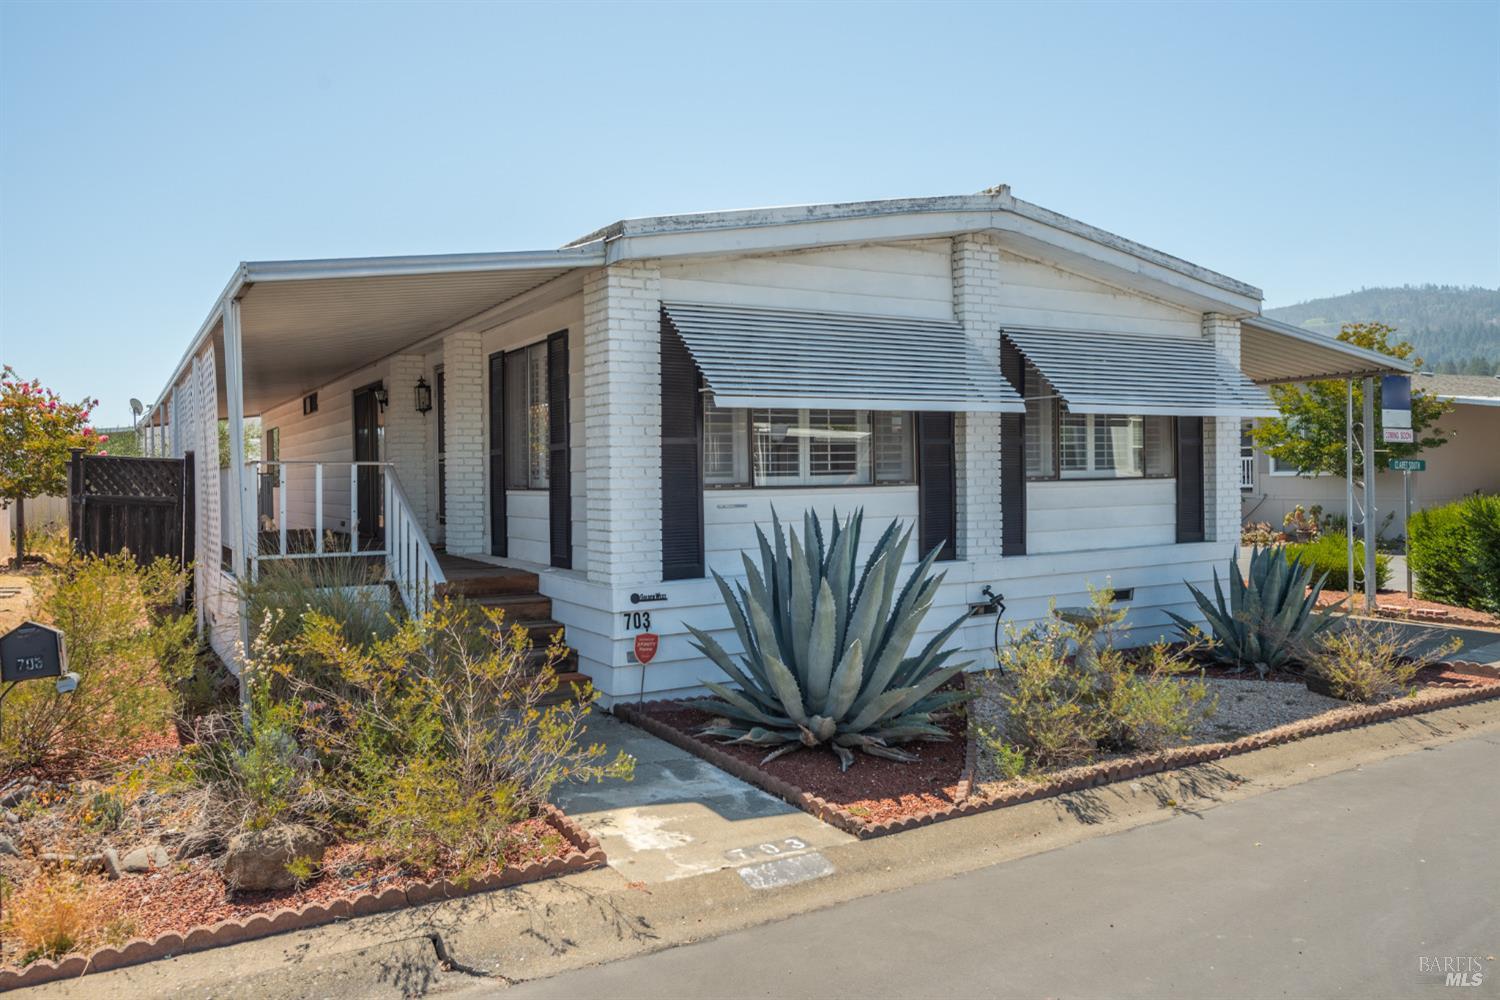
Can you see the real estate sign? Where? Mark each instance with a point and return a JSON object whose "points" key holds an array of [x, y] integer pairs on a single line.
{"points": [[1395, 409]]}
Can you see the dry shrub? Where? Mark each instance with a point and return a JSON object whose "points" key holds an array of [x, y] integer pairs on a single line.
{"points": [[1367, 661], [59, 912], [128, 648], [1070, 692], [431, 742]]}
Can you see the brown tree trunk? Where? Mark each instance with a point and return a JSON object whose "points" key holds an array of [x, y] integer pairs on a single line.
{"points": [[20, 554]]}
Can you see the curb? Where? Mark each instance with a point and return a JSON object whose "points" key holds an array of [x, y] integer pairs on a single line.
{"points": [[1447, 695], [586, 854]]}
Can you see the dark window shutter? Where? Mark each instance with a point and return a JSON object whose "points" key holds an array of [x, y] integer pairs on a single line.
{"points": [[1190, 479], [1013, 458], [681, 460], [937, 490], [499, 532], [559, 460]]}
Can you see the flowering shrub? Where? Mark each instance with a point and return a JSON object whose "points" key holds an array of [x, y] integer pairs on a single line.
{"points": [[38, 428]]}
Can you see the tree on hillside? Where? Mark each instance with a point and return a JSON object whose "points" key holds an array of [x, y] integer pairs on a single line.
{"points": [[37, 430], [1309, 434]]}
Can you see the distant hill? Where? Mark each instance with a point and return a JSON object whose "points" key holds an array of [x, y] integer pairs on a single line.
{"points": [[1455, 330]]}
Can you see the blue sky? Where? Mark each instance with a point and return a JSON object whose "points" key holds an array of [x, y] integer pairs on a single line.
{"points": [[145, 149]]}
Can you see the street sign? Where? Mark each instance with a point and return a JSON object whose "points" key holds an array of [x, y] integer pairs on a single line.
{"points": [[32, 650], [1408, 465], [1395, 409]]}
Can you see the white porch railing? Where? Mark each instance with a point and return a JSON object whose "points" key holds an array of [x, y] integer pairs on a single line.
{"points": [[410, 562], [1247, 472], [398, 541]]}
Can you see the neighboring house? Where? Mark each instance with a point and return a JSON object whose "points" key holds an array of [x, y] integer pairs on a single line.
{"points": [[1468, 463], [1054, 405]]}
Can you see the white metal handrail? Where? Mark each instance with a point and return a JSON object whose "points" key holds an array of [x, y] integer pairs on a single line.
{"points": [[1247, 472], [409, 560]]}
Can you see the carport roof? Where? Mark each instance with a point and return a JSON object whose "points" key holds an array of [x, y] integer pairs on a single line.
{"points": [[1272, 351]]}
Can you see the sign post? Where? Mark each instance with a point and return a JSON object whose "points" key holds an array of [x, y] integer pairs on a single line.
{"points": [[1395, 423], [1406, 466]]}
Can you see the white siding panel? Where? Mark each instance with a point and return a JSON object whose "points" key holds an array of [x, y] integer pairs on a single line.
{"points": [[1034, 294], [730, 517], [1100, 514], [528, 524], [891, 279]]}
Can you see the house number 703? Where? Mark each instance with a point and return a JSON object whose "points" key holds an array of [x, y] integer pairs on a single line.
{"points": [[640, 620]]}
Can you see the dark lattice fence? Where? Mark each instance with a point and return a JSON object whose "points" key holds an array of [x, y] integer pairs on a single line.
{"points": [[143, 506]]}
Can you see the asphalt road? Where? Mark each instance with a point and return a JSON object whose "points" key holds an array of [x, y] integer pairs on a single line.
{"points": [[1338, 887]]}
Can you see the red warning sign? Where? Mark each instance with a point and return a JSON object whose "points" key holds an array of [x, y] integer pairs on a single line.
{"points": [[646, 644]]}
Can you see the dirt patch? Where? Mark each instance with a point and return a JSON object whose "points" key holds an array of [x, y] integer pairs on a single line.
{"points": [[1394, 604], [16, 596]]}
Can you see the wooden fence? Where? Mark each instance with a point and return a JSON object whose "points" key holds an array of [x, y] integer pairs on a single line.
{"points": [[140, 505]]}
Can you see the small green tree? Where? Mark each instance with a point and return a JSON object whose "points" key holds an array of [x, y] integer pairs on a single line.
{"points": [[37, 430], [1309, 434]]}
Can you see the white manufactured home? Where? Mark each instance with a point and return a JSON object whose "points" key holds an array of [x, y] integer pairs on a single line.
{"points": [[583, 435]]}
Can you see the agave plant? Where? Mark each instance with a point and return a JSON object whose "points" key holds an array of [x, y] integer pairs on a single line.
{"points": [[1268, 621], [825, 646]]}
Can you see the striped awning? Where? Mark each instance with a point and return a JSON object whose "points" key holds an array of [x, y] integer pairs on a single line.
{"points": [[753, 357], [1132, 373]]}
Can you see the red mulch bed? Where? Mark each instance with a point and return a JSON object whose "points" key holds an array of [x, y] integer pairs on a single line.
{"points": [[873, 789], [1395, 604], [877, 796], [194, 894]]}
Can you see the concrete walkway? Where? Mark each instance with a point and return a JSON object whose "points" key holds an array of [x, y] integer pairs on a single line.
{"points": [[682, 816], [1356, 885]]}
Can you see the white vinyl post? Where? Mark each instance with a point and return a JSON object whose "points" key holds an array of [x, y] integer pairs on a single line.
{"points": [[234, 389], [1369, 474], [1349, 487]]}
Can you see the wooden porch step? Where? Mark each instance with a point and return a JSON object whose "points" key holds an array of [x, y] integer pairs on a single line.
{"points": [[518, 608], [570, 686], [492, 585]]}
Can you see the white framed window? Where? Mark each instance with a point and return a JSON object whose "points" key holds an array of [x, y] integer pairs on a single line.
{"points": [[1102, 446], [806, 447], [527, 451]]}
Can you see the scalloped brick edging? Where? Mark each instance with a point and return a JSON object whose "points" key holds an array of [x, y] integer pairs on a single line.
{"points": [[586, 854], [1447, 695]]}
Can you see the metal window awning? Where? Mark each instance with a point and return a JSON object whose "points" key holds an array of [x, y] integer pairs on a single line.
{"points": [[1134, 373], [754, 357]]}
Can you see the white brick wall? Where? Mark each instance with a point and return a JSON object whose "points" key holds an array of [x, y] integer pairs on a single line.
{"points": [[463, 390], [406, 431], [1221, 444], [976, 305], [622, 423]]}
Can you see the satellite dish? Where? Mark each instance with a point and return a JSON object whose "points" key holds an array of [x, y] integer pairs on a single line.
{"points": [[136, 407]]}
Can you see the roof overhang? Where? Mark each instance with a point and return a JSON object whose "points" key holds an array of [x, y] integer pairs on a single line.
{"points": [[1271, 352], [1027, 229], [306, 323]]}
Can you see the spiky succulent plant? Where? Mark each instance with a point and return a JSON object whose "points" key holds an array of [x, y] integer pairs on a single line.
{"points": [[825, 644], [1268, 622]]}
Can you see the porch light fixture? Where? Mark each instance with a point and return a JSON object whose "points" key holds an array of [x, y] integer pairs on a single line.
{"points": [[424, 396], [382, 397]]}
